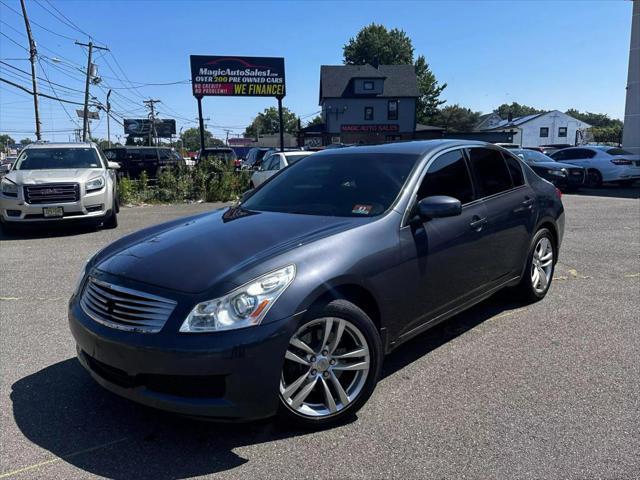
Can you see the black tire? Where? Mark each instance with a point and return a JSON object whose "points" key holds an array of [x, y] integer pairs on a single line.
{"points": [[525, 288], [595, 177], [112, 217], [345, 310]]}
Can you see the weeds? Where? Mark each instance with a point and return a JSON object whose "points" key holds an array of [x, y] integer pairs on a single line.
{"points": [[211, 180]]}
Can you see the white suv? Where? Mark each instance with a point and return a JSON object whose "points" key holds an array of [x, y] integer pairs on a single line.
{"points": [[60, 182]]}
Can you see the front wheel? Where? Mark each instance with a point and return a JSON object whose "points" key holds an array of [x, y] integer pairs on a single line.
{"points": [[594, 177], [538, 274], [331, 366]]}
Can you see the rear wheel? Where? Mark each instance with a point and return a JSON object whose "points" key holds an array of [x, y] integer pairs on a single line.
{"points": [[331, 366], [538, 274], [595, 177]]}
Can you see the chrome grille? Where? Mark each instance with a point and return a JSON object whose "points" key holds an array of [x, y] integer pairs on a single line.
{"points": [[123, 308], [52, 193]]}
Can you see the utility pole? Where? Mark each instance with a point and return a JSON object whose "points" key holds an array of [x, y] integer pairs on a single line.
{"points": [[85, 120], [150, 104], [32, 58], [226, 142], [108, 115]]}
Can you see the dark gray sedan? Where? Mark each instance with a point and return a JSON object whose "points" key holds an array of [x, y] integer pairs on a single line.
{"points": [[288, 302]]}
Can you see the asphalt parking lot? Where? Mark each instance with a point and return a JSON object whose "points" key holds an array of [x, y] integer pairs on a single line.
{"points": [[550, 390]]}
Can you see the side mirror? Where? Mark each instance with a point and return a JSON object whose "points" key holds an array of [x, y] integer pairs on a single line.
{"points": [[439, 206], [113, 165], [246, 195]]}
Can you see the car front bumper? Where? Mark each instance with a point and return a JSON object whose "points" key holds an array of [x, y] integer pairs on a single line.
{"points": [[232, 375], [92, 205]]}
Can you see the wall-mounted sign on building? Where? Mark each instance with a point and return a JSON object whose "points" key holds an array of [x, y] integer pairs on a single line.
{"points": [[375, 128], [237, 76]]}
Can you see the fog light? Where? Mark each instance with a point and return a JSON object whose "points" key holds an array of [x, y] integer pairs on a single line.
{"points": [[13, 213]]}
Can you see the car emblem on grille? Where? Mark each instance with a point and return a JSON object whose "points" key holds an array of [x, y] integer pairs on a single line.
{"points": [[110, 306], [51, 191]]}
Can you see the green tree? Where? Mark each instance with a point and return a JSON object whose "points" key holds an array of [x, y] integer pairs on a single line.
{"points": [[26, 141], [267, 122], [516, 110], [456, 118], [317, 120], [6, 140], [430, 90], [191, 139], [375, 44]]}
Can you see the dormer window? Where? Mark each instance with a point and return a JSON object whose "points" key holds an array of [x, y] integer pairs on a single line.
{"points": [[367, 85]]}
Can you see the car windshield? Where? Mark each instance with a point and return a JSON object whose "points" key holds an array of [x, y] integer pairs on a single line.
{"points": [[57, 158], [532, 156], [343, 185]]}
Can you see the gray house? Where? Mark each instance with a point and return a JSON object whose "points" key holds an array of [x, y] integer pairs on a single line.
{"points": [[367, 104]]}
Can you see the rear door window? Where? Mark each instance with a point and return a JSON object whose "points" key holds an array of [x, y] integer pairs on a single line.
{"points": [[515, 169], [490, 171], [448, 175]]}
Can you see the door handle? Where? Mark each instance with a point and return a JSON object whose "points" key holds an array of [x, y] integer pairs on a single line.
{"points": [[477, 223], [526, 204]]}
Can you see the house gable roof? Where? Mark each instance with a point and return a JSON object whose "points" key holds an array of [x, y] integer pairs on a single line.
{"points": [[399, 80], [519, 121]]}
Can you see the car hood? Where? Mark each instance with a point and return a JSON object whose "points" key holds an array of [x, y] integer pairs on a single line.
{"points": [[553, 165], [55, 175], [203, 251]]}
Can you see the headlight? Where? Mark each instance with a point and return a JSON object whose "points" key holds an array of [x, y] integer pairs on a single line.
{"points": [[243, 307], [558, 173], [95, 184], [8, 188]]}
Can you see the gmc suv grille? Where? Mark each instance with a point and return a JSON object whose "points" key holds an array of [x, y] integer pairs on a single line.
{"points": [[125, 309], [52, 193]]}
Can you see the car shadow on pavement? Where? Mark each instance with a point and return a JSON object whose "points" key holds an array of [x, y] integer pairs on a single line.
{"points": [[609, 190], [31, 232], [61, 409]]}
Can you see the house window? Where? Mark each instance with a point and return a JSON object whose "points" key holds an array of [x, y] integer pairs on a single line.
{"points": [[392, 110], [544, 132], [367, 85], [368, 113], [562, 131]]}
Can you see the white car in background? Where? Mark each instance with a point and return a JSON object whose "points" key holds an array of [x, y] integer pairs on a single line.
{"points": [[60, 182], [602, 163], [274, 162]]}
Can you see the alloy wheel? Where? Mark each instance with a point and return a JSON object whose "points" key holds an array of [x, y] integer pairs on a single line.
{"points": [[542, 265], [326, 367]]}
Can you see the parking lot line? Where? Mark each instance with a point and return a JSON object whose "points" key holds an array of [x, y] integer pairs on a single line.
{"points": [[57, 459]]}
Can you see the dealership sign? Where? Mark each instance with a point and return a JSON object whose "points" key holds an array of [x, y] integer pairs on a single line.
{"points": [[141, 127], [237, 76], [381, 128]]}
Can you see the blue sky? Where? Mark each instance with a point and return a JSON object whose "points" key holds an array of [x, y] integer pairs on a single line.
{"points": [[549, 54]]}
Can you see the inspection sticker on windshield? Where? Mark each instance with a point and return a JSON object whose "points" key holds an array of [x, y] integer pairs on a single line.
{"points": [[362, 209]]}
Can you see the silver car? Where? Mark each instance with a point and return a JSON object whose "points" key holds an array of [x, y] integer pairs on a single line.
{"points": [[60, 182], [274, 162]]}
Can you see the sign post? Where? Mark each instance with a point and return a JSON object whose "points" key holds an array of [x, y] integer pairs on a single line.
{"points": [[237, 77]]}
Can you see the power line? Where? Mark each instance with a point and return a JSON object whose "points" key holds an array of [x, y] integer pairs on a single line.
{"points": [[25, 89], [37, 24], [56, 93], [39, 78], [12, 40]]}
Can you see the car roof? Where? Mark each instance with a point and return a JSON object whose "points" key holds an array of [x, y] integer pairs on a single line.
{"points": [[416, 147], [60, 145], [295, 152]]}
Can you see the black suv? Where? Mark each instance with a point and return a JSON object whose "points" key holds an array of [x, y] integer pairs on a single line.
{"points": [[134, 160]]}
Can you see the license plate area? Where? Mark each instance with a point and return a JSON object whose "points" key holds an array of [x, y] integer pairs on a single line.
{"points": [[52, 212]]}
